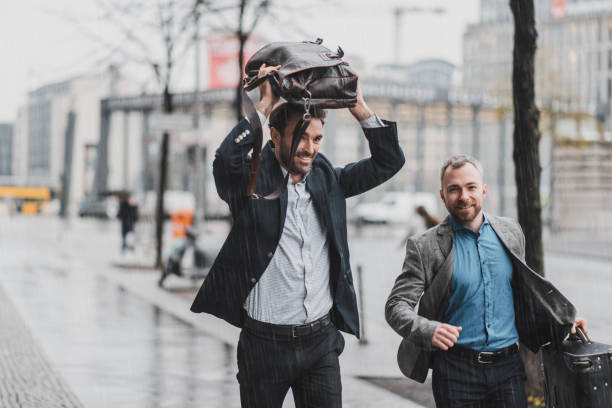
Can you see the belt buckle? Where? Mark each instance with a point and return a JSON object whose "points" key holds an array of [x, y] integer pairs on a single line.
{"points": [[485, 353], [294, 332]]}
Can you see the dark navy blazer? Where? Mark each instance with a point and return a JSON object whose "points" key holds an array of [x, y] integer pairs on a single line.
{"points": [[258, 224]]}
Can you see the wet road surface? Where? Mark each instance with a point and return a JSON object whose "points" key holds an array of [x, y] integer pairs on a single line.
{"points": [[113, 349]]}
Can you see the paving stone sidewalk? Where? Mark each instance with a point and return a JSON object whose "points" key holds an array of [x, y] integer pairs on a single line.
{"points": [[27, 379]]}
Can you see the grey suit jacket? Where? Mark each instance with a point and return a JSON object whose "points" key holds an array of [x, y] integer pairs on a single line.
{"points": [[542, 313]]}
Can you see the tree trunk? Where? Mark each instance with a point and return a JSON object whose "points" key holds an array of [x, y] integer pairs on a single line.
{"points": [[527, 157], [161, 186], [242, 39]]}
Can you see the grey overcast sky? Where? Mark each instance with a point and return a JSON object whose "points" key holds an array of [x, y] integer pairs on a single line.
{"points": [[38, 46]]}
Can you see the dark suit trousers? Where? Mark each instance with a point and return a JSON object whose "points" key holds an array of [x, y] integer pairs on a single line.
{"points": [[269, 364], [460, 382]]}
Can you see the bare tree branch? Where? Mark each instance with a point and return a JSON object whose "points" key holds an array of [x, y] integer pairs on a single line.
{"points": [[114, 48], [259, 12]]}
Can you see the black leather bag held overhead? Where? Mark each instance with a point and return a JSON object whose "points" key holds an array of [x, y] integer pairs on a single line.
{"points": [[310, 74]]}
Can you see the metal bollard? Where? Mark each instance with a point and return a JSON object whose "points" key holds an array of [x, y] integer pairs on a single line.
{"points": [[362, 339]]}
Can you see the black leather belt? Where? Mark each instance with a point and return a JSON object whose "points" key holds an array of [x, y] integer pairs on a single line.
{"points": [[293, 331], [288, 330], [484, 357]]}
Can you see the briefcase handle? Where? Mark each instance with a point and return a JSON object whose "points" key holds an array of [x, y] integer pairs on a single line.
{"points": [[582, 336]]}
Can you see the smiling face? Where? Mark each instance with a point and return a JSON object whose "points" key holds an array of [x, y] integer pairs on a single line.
{"points": [[307, 148], [463, 193]]}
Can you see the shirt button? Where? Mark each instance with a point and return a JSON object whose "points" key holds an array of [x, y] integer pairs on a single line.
{"points": [[253, 280]]}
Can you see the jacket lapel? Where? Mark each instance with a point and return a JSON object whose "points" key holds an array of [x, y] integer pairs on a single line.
{"points": [[504, 234], [543, 313], [322, 204], [440, 285], [445, 237]]}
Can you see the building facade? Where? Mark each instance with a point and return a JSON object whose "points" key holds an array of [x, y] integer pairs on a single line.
{"points": [[434, 122], [573, 58], [40, 157], [6, 149]]}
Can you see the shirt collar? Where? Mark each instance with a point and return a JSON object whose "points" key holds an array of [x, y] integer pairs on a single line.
{"points": [[289, 180], [457, 226]]}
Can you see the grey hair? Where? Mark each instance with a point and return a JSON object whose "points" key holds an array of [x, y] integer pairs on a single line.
{"points": [[458, 161]]}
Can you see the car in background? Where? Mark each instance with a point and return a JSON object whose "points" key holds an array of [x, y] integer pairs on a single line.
{"points": [[394, 208], [174, 200], [106, 207]]}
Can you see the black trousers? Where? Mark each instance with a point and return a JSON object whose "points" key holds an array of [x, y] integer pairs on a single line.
{"points": [[269, 364], [459, 381]]}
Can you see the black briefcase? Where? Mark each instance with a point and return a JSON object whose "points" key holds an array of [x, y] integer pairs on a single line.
{"points": [[578, 374]]}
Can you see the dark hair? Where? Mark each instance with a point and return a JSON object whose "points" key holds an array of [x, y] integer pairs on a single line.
{"points": [[281, 115]]}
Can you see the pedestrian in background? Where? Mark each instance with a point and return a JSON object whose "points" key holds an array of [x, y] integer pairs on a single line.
{"points": [[477, 299], [128, 215], [429, 220], [283, 274]]}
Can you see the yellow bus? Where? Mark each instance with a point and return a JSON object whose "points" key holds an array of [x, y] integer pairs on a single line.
{"points": [[29, 200]]}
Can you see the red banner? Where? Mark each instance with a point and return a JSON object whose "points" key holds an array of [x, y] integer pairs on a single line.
{"points": [[223, 59], [558, 10]]}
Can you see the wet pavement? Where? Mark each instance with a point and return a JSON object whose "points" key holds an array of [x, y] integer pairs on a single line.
{"points": [[113, 349], [114, 337], [119, 341], [27, 379]]}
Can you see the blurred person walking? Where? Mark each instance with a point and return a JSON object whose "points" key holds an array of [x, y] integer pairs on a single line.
{"points": [[128, 215], [429, 220], [477, 299], [283, 274]]}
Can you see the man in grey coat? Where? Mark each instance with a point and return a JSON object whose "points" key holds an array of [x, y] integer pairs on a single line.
{"points": [[476, 299]]}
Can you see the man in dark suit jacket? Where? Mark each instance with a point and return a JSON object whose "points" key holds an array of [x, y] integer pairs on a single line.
{"points": [[283, 274]]}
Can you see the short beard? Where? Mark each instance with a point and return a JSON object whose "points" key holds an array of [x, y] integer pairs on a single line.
{"points": [[290, 165], [468, 217]]}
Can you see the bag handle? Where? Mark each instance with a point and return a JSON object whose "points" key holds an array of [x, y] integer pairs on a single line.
{"points": [[582, 336], [254, 82], [299, 130], [318, 41], [251, 114]]}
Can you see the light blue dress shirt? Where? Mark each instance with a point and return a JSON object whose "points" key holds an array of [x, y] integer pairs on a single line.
{"points": [[481, 293]]}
